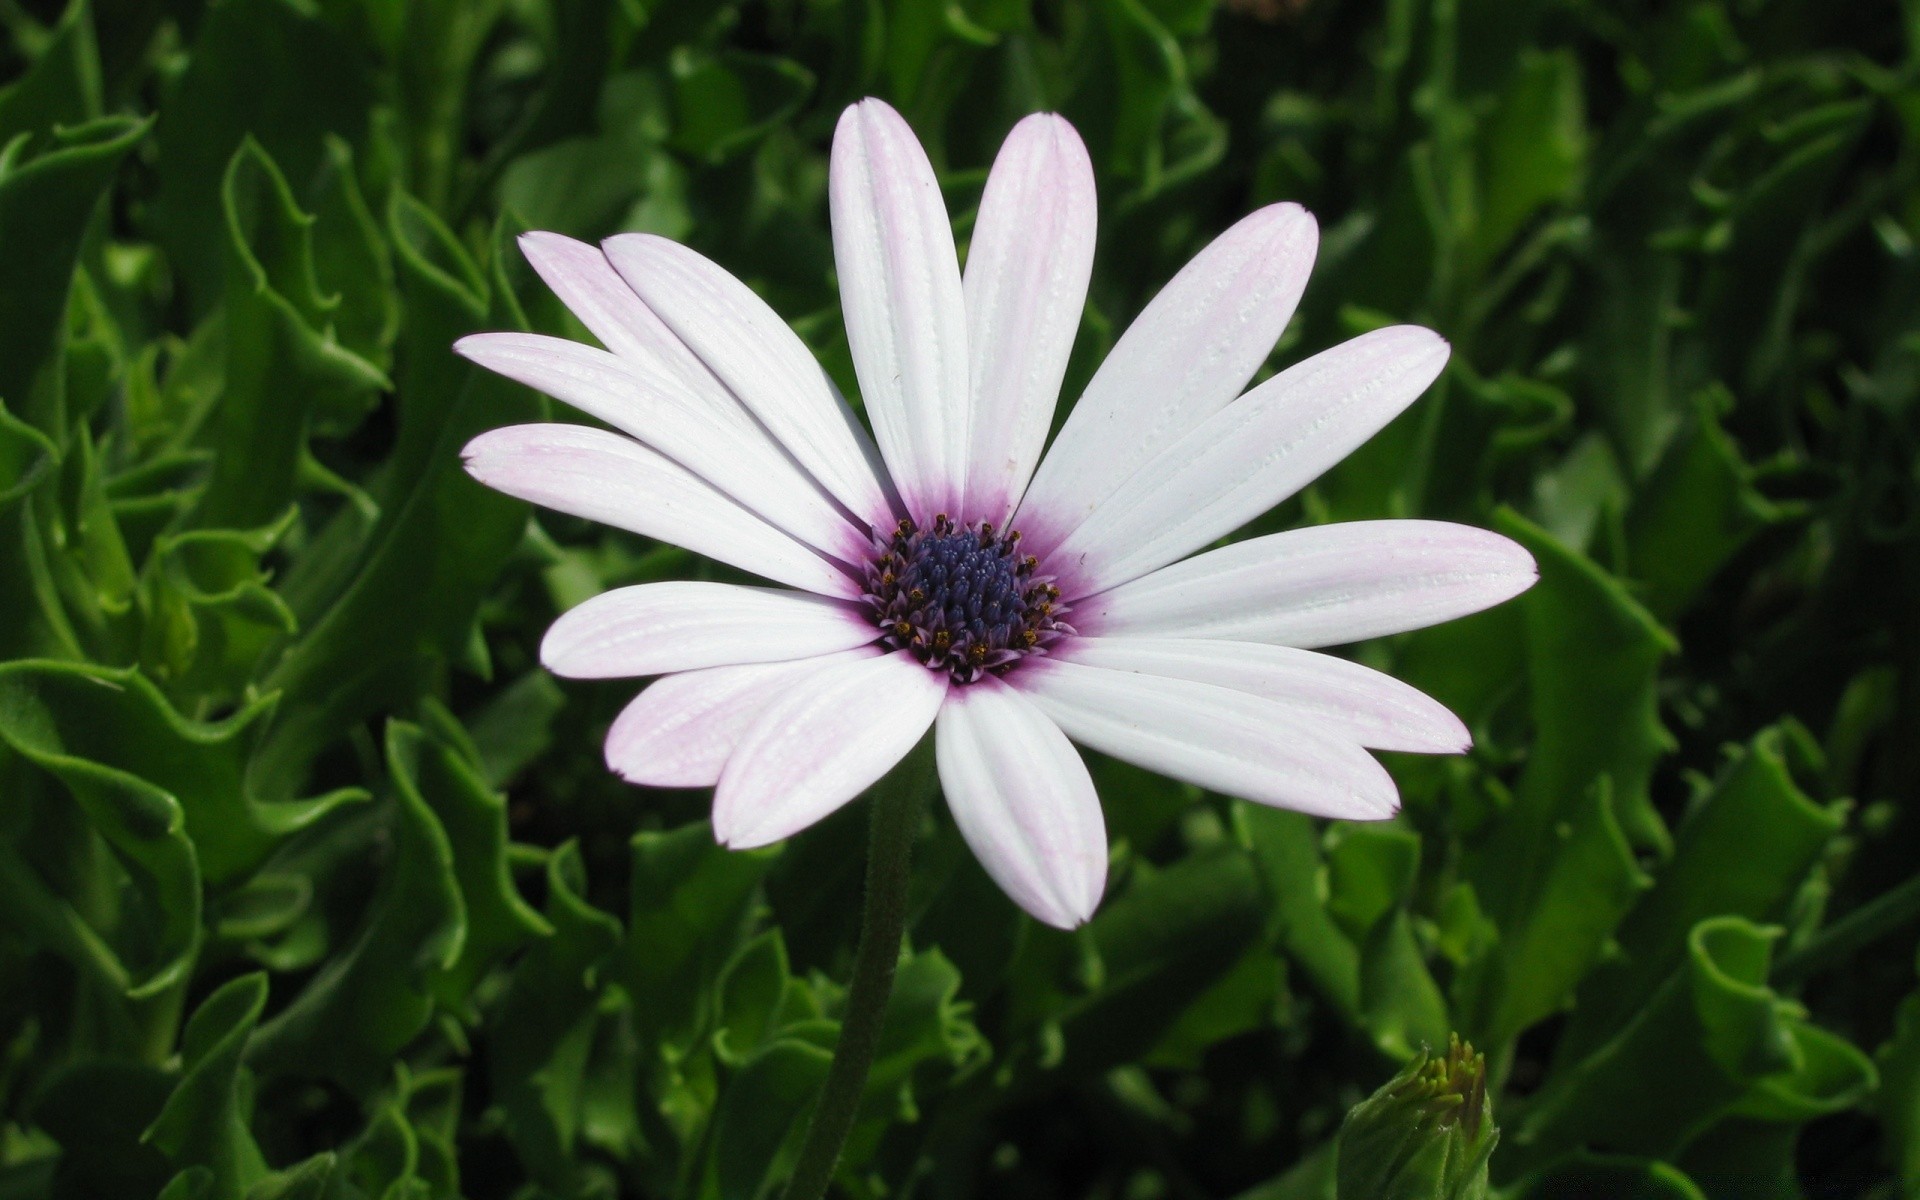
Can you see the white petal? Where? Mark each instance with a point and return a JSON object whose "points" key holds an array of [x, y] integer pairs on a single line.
{"points": [[615, 480], [819, 746], [1222, 740], [1186, 355], [763, 362], [583, 277], [655, 628], [705, 431], [681, 730], [592, 290], [1321, 586], [1255, 453], [1023, 800], [900, 292], [1026, 285], [1370, 707]]}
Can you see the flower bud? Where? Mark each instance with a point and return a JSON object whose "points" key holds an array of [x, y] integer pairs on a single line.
{"points": [[1426, 1135]]}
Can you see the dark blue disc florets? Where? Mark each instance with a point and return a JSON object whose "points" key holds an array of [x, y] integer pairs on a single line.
{"points": [[962, 598]]}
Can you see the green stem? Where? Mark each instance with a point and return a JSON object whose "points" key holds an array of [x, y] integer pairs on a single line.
{"points": [[897, 801]]}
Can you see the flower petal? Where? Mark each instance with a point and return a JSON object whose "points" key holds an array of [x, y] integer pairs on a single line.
{"points": [[900, 292], [604, 477], [1218, 739], [1026, 286], [593, 291], [1185, 357], [1255, 453], [706, 432], [1321, 586], [681, 730], [1023, 800], [817, 747], [763, 362], [1370, 707], [582, 276], [656, 628]]}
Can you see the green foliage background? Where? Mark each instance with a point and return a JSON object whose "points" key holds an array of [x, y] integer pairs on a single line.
{"points": [[312, 883]]}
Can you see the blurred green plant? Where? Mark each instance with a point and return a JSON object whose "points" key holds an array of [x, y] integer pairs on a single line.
{"points": [[312, 884]]}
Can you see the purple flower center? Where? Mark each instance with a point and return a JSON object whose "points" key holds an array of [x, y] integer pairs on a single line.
{"points": [[962, 598]]}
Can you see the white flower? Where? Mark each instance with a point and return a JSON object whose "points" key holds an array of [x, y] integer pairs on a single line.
{"points": [[932, 575]]}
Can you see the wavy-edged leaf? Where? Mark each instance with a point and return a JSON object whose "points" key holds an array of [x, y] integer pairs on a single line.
{"points": [[376, 995], [50, 188], [206, 1121], [409, 598], [284, 367]]}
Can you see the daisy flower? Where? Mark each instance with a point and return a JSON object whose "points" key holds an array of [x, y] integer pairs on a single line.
{"points": [[942, 572]]}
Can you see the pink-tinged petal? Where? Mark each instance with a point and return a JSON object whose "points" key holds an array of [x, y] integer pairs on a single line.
{"points": [[1023, 800], [900, 292], [593, 291], [583, 276], [657, 628], [1222, 740], [1369, 707], [1326, 585], [1026, 285], [1252, 455], [705, 431], [617, 481], [752, 351], [682, 729], [817, 747], [1184, 358]]}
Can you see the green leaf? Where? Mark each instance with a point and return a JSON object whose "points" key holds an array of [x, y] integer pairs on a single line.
{"points": [[48, 197], [1156, 948], [119, 721], [1749, 300], [376, 996], [97, 1111], [353, 262], [85, 560], [26, 457], [62, 87], [752, 997], [552, 1005], [692, 901], [410, 596], [926, 1023], [1286, 847], [1610, 1177], [723, 103], [284, 368], [1898, 1102], [209, 616], [1713, 1041], [310, 1179], [516, 726], [263, 70], [205, 1121], [51, 715], [759, 1118], [498, 921], [1746, 847], [434, 54], [1559, 871], [1697, 509], [1532, 150]]}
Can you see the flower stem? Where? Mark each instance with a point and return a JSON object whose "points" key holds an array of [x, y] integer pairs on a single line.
{"points": [[897, 801]]}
